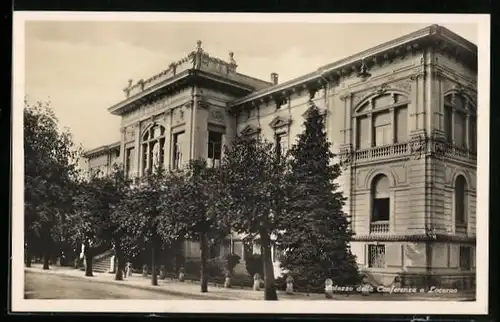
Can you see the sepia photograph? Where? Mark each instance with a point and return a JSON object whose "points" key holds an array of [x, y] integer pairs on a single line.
{"points": [[246, 163]]}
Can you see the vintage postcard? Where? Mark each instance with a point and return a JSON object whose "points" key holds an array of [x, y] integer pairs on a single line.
{"points": [[250, 163]]}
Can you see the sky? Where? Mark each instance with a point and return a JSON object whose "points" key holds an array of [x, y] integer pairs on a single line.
{"points": [[81, 67]]}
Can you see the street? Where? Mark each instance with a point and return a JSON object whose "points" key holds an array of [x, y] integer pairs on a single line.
{"points": [[47, 286]]}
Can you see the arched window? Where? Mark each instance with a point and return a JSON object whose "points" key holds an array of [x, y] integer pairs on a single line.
{"points": [[382, 120], [460, 201], [381, 204], [153, 148], [460, 121]]}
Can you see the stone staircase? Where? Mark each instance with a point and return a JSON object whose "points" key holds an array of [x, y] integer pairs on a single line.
{"points": [[101, 262]]}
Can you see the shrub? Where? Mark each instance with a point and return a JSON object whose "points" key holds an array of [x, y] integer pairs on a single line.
{"points": [[215, 268], [254, 264], [231, 260]]}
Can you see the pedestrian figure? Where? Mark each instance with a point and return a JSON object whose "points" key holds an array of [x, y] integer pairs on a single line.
{"points": [[181, 274], [328, 288], [256, 282], [145, 270], [289, 284], [127, 271], [163, 272]]}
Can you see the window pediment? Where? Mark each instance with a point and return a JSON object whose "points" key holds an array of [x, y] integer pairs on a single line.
{"points": [[250, 130], [280, 122]]}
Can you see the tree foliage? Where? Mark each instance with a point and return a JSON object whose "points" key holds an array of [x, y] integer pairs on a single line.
{"points": [[51, 174], [96, 220], [194, 198], [316, 235], [252, 181]]}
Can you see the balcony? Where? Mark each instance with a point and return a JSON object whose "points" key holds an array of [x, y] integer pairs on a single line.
{"points": [[461, 229], [422, 147], [379, 227], [382, 152]]}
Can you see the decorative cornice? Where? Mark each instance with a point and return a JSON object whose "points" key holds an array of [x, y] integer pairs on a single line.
{"points": [[250, 130], [279, 122]]}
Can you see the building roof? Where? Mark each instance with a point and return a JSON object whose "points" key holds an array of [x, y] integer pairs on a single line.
{"points": [[177, 73], [355, 60], [94, 153]]}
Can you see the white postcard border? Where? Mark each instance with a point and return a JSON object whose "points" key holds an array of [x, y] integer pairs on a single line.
{"points": [[480, 306]]}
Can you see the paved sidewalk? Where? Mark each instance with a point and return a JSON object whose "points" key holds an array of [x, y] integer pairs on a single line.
{"points": [[192, 290]]}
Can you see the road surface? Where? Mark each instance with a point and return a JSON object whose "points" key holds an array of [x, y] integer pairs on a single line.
{"points": [[49, 286]]}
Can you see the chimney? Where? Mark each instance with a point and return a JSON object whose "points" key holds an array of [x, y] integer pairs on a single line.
{"points": [[274, 78]]}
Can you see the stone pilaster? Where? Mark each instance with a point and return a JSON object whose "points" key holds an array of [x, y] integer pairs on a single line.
{"points": [[417, 179], [201, 131], [122, 146], [188, 148], [138, 150], [167, 158]]}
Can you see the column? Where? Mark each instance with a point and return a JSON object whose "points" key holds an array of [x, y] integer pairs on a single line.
{"points": [[393, 125], [467, 131], [122, 146], [452, 125], [138, 152], [370, 129], [167, 158]]}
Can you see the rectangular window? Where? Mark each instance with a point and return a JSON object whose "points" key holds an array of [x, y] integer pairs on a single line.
{"points": [[382, 130], [465, 258], [129, 161], [362, 133], [460, 131], [401, 124], [177, 146], [381, 209], [376, 256], [448, 121], [145, 158], [214, 149], [472, 134], [281, 144]]}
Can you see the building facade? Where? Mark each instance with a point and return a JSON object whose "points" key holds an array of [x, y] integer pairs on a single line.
{"points": [[402, 121]]}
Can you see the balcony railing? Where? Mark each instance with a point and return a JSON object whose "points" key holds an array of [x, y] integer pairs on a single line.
{"points": [[460, 229], [382, 152], [379, 227], [423, 147]]}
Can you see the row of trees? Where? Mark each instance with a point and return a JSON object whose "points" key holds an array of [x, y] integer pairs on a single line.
{"points": [[255, 191]]}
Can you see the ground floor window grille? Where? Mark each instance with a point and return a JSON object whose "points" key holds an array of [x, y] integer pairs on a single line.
{"points": [[376, 256]]}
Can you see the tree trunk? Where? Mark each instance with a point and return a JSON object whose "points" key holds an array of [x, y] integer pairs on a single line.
{"points": [[120, 262], [154, 277], [28, 256], [88, 260], [269, 287], [203, 266], [46, 261]]}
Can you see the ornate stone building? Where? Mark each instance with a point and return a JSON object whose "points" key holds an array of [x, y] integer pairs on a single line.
{"points": [[401, 117]]}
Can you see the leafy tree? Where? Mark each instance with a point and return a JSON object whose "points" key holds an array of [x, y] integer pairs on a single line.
{"points": [[194, 203], [252, 178], [316, 237], [50, 176], [91, 217], [113, 192], [143, 213]]}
